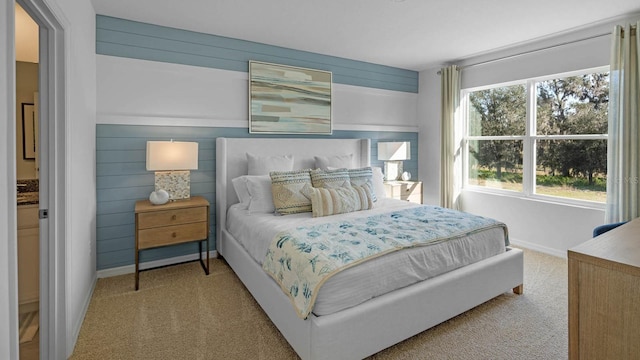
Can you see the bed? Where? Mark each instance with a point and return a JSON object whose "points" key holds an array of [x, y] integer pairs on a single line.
{"points": [[351, 332]]}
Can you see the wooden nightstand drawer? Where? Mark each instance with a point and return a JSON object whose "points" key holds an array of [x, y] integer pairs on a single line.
{"points": [[170, 235], [171, 217], [404, 190], [416, 198]]}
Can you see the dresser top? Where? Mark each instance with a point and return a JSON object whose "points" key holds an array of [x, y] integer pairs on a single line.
{"points": [[620, 245]]}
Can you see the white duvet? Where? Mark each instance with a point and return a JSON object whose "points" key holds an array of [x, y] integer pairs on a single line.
{"points": [[373, 278]]}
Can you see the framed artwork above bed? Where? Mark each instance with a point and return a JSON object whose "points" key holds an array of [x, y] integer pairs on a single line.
{"points": [[289, 100]]}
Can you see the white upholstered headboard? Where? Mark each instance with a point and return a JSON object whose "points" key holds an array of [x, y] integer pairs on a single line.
{"points": [[231, 162]]}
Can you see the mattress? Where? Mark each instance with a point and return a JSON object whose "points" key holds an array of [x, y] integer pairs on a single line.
{"points": [[372, 278]]}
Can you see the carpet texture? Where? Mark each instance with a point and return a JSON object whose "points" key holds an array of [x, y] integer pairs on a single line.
{"points": [[179, 313]]}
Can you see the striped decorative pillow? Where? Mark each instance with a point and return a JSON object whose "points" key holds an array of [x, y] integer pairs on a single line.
{"points": [[329, 179], [334, 201], [291, 191], [363, 177]]}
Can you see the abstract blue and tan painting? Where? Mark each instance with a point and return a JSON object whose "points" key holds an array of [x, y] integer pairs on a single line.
{"points": [[286, 99]]}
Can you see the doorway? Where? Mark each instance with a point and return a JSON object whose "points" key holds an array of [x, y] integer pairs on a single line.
{"points": [[50, 114], [27, 151]]}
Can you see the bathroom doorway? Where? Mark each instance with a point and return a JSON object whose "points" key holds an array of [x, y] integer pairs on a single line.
{"points": [[27, 175]]}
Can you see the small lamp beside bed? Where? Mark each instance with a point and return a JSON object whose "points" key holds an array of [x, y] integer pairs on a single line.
{"points": [[393, 153], [171, 161]]}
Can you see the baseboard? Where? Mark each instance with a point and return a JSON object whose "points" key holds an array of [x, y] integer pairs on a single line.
{"points": [[536, 247], [130, 269], [29, 306], [71, 343]]}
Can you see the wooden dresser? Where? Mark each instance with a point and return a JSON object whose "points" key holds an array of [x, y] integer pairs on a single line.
{"points": [[604, 295], [173, 223]]}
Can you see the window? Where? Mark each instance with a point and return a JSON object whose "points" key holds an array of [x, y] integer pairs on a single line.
{"points": [[544, 137], [496, 126]]}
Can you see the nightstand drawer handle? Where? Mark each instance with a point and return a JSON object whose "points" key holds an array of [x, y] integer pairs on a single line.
{"points": [[173, 235], [173, 217]]}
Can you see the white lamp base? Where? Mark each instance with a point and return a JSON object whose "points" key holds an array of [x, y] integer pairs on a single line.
{"points": [[392, 170], [176, 183]]}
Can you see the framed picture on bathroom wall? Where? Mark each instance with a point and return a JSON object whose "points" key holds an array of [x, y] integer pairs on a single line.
{"points": [[289, 100], [28, 131]]}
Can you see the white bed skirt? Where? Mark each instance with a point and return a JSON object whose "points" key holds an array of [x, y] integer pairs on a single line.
{"points": [[372, 326]]}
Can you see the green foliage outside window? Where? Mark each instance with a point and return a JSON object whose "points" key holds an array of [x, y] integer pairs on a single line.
{"points": [[565, 107], [573, 106], [498, 112]]}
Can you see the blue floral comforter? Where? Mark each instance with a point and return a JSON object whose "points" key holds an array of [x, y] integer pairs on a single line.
{"points": [[303, 258]]}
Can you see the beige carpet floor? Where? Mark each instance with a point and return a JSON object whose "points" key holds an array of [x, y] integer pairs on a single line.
{"points": [[179, 313]]}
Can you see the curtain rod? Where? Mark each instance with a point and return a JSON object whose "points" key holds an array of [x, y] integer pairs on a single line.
{"points": [[633, 30]]}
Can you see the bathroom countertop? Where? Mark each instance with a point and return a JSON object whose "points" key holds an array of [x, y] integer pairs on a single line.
{"points": [[28, 198]]}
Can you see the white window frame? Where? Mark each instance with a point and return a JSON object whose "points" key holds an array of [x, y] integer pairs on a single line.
{"points": [[529, 140]]}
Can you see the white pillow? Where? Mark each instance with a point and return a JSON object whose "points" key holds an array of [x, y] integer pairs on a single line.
{"points": [[262, 165], [254, 193], [259, 188], [378, 182], [240, 186], [337, 161]]}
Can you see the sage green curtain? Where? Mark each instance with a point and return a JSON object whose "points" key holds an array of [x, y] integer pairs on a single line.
{"points": [[623, 148], [450, 87]]}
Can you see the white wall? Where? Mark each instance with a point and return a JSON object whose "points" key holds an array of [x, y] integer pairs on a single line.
{"points": [[78, 19], [429, 135], [80, 162], [540, 225], [132, 91], [26, 86]]}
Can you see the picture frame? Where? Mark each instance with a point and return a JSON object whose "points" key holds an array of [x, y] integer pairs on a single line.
{"points": [[289, 100], [28, 131]]}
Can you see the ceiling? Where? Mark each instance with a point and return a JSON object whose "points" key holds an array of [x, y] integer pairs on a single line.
{"points": [[26, 37], [410, 34]]}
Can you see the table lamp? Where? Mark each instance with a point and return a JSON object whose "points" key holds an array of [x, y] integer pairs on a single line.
{"points": [[393, 153], [171, 161]]}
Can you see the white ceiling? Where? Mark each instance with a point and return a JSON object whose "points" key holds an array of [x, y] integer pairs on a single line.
{"points": [[26, 37], [410, 34]]}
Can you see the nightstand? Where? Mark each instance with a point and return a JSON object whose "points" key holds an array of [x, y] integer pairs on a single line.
{"points": [[176, 222], [404, 190]]}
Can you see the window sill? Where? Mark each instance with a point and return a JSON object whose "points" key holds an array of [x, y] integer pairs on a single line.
{"points": [[538, 198]]}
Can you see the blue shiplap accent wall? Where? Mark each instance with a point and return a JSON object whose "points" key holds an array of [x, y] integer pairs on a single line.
{"points": [[131, 39], [122, 179]]}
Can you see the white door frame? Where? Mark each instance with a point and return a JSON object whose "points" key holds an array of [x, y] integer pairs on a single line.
{"points": [[8, 224], [52, 87]]}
